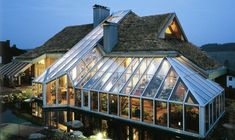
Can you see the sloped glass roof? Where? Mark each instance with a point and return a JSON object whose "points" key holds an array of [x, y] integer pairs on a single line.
{"points": [[79, 51], [148, 77]]}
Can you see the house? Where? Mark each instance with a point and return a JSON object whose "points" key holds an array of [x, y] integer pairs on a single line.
{"points": [[28, 66], [141, 70]]}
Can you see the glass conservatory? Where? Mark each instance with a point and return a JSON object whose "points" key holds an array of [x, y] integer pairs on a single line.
{"points": [[152, 90]]}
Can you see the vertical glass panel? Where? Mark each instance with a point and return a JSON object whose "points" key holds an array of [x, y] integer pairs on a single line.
{"points": [[124, 78], [147, 77], [214, 110], [147, 111], [78, 98], [192, 118], [207, 117], [62, 91], [135, 108], [51, 92], [155, 83], [168, 85], [161, 113], [123, 102], [113, 104], [176, 115], [217, 106], [85, 98], [117, 74], [211, 114], [94, 100], [103, 102], [179, 93], [108, 73], [37, 90], [71, 94], [190, 99]]}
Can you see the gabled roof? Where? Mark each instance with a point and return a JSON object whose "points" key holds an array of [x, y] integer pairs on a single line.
{"points": [[144, 34], [61, 42]]}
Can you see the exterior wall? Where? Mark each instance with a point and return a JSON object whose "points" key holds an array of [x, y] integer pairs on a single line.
{"points": [[231, 82]]}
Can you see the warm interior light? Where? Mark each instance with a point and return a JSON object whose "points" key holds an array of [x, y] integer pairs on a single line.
{"points": [[41, 62], [99, 136]]}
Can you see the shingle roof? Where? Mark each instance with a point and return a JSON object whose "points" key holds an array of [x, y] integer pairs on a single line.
{"points": [[141, 34], [61, 42]]}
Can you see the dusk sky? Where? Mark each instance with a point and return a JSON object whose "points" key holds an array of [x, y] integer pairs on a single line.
{"points": [[29, 23]]}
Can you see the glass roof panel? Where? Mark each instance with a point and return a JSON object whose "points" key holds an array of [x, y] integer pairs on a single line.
{"points": [[92, 72], [179, 93], [98, 75], [190, 99], [145, 79], [168, 85], [118, 73], [125, 77], [156, 81], [136, 76], [108, 73]]}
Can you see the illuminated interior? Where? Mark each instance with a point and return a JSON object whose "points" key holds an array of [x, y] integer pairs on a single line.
{"points": [[174, 31]]}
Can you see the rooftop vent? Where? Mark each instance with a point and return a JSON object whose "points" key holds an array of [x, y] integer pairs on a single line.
{"points": [[99, 14]]}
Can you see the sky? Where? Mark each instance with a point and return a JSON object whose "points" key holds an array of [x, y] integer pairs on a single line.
{"points": [[30, 23]]}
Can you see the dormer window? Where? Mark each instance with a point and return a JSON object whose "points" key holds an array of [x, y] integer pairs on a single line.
{"points": [[174, 31]]}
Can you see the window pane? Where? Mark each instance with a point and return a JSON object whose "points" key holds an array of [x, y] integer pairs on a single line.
{"points": [[115, 76], [135, 108], [191, 118], [113, 104], [207, 117], [108, 73], [122, 81], [157, 79], [123, 106], [168, 85], [161, 113], [85, 98], [103, 102], [62, 91], [179, 93], [71, 93], [190, 99], [51, 92], [147, 111], [146, 77], [78, 98], [94, 100], [176, 115]]}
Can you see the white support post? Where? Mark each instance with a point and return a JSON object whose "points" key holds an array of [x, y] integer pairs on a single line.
{"points": [[44, 88], [202, 121]]}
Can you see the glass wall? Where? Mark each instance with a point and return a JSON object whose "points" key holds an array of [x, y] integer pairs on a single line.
{"points": [[94, 100], [124, 106], [161, 113], [51, 92], [113, 103], [147, 110], [62, 90], [176, 115], [103, 102], [191, 118], [85, 98], [135, 108], [78, 95], [71, 94], [37, 90]]}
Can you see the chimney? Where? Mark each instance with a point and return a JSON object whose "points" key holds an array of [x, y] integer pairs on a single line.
{"points": [[110, 36], [99, 14]]}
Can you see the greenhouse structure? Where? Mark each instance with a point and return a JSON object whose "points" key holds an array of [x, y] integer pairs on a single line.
{"points": [[161, 89]]}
